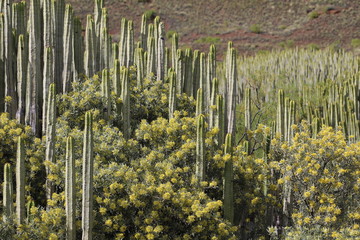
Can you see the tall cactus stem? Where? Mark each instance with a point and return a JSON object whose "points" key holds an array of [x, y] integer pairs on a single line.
{"points": [[200, 170], [228, 181], [87, 179], [20, 181], [70, 190]]}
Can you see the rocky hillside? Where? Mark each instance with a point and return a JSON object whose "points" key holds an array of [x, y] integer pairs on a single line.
{"points": [[252, 25]]}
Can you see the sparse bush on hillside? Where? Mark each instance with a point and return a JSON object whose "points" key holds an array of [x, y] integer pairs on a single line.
{"points": [[255, 28], [355, 43], [314, 14], [287, 43], [208, 40], [150, 14]]}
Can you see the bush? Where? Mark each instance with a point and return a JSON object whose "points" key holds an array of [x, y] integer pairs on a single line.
{"points": [[209, 40], [255, 28], [150, 14], [313, 14], [355, 43]]}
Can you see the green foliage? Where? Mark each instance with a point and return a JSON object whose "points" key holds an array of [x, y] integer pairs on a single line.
{"points": [[208, 40], [313, 46], [289, 43], [355, 42], [170, 33], [313, 14], [150, 14], [255, 28]]}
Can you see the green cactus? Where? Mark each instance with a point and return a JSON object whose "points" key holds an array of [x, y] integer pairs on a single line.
{"points": [[2, 65], [160, 52], [20, 181], [87, 179], [8, 207], [123, 42], [70, 190], [21, 78], [188, 83], [150, 67], [105, 92], [48, 78], [228, 181], [50, 137], [220, 118], [90, 53], [280, 114], [130, 45], [140, 67], [172, 93], [78, 46], [10, 79], [34, 75], [143, 32], [231, 80], [199, 102], [68, 62], [247, 109], [58, 9], [125, 96], [174, 48], [196, 72], [200, 171], [180, 71]]}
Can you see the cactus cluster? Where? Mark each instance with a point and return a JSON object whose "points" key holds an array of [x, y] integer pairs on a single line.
{"points": [[44, 57]]}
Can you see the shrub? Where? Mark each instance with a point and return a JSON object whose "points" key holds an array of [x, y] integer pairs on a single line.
{"points": [[150, 14], [255, 28], [313, 14], [209, 40], [355, 43], [287, 44], [170, 33]]}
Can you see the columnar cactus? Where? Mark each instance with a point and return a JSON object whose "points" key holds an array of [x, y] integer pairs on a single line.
{"points": [[105, 91], [78, 46], [220, 118], [188, 78], [125, 96], [174, 48], [140, 67], [199, 102], [34, 79], [228, 181], [248, 109], [200, 149], [70, 190], [123, 42], [161, 52], [68, 62], [2, 65], [143, 32], [48, 78], [180, 71], [20, 181], [212, 110], [172, 93], [21, 78], [8, 208], [50, 137], [59, 12], [196, 71], [130, 46], [280, 114], [87, 179], [10, 80], [231, 90], [151, 68], [90, 44]]}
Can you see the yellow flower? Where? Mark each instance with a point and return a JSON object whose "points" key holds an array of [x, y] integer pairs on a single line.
{"points": [[307, 194]]}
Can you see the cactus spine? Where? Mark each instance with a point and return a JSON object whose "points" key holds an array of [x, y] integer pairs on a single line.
{"points": [[87, 182], [200, 149], [7, 192], [228, 181], [70, 190], [20, 181]]}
